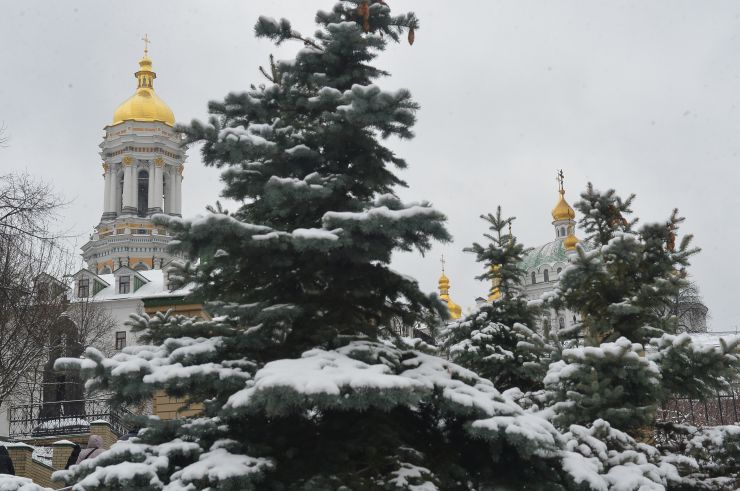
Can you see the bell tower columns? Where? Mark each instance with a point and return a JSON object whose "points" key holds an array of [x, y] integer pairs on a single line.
{"points": [[155, 186], [109, 210], [129, 205]]}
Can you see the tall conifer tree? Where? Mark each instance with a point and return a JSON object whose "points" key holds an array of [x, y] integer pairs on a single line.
{"points": [[301, 388], [499, 340]]}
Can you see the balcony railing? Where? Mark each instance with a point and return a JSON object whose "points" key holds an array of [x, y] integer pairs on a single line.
{"points": [[64, 418]]}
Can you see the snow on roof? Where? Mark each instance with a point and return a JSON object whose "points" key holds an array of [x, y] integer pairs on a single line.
{"points": [[155, 288]]}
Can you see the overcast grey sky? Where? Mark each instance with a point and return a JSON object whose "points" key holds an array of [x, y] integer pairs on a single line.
{"points": [[640, 96]]}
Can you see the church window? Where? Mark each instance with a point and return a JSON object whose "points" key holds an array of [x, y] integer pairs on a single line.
{"points": [[143, 185], [124, 284], [561, 321], [83, 287], [534, 277], [574, 319], [560, 270], [120, 340], [141, 267], [105, 270], [547, 276]]}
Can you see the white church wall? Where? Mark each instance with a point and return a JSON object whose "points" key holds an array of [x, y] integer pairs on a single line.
{"points": [[121, 310]]}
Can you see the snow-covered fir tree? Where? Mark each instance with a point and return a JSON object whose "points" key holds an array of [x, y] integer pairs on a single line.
{"points": [[630, 361], [496, 340], [300, 385]]}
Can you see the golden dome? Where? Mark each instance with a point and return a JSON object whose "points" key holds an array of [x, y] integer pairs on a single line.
{"points": [[444, 284], [562, 210], [444, 295], [570, 242], [144, 105]]}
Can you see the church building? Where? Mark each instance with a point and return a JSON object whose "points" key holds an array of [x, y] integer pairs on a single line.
{"points": [[541, 266], [127, 255]]}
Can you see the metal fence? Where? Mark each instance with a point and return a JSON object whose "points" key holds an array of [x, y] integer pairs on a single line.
{"points": [[723, 409], [63, 418]]}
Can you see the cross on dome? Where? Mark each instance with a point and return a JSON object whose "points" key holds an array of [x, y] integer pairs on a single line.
{"points": [[146, 44], [560, 177]]}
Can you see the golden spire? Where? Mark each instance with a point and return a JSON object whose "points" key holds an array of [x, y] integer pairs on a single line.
{"points": [[562, 210], [444, 294], [144, 105]]}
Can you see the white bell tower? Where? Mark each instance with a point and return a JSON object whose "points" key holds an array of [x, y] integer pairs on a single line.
{"points": [[143, 171]]}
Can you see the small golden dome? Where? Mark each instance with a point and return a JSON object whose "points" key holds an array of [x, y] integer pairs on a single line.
{"points": [[444, 284], [562, 210], [144, 105], [444, 295], [570, 242]]}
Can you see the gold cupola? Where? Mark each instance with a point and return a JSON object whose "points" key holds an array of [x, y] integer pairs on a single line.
{"points": [[562, 210], [444, 295], [571, 240], [144, 105]]}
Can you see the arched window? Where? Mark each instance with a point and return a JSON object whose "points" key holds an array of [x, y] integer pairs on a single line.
{"points": [[559, 271], [143, 193], [574, 318], [141, 267], [561, 321], [547, 276], [534, 278], [105, 270]]}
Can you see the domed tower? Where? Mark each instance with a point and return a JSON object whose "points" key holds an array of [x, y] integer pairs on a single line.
{"points": [[544, 264], [143, 165], [563, 219], [444, 295]]}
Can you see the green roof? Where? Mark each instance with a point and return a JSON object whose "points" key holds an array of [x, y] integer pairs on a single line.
{"points": [[550, 253]]}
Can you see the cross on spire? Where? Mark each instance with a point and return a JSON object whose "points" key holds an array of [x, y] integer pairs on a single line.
{"points": [[560, 178], [146, 44], [442, 260]]}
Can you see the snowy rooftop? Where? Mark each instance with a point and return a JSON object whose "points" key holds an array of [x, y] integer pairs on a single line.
{"points": [[155, 287]]}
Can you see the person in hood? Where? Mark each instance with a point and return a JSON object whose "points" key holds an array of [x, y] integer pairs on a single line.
{"points": [[73, 456], [6, 465], [94, 448]]}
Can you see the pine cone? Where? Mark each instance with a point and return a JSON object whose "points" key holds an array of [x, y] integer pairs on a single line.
{"points": [[411, 36], [671, 242], [363, 11]]}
